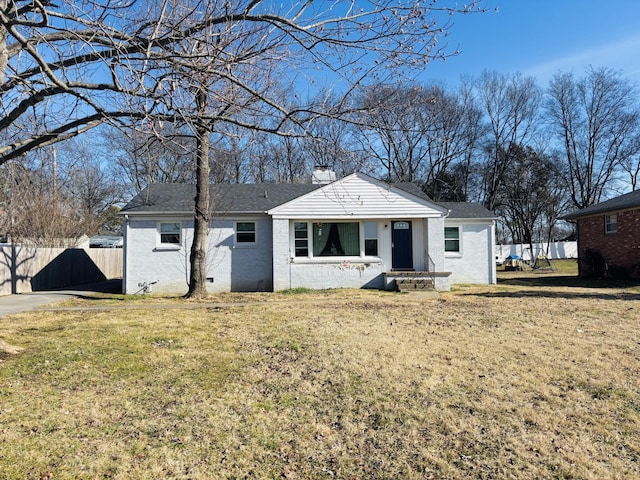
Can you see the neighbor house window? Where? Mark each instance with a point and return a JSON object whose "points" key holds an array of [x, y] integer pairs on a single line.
{"points": [[451, 239], [170, 233], [301, 234], [611, 223], [245, 232], [336, 239], [371, 239]]}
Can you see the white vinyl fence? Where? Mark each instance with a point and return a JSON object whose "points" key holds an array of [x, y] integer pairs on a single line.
{"points": [[554, 251]]}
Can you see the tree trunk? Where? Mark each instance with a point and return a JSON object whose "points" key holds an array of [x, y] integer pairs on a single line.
{"points": [[198, 255]]}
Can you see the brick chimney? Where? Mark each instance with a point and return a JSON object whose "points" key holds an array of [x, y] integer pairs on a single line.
{"points": [[322, 175]]}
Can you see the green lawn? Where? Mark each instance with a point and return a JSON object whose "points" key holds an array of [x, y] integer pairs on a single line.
{"points": [[505, 381]]}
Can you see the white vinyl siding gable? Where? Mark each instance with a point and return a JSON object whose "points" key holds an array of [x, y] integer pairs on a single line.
{"points": [[356, 197]]}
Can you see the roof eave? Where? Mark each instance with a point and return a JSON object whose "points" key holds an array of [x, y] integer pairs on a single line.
{"points": [[156, 213], [480, 219], [184, 213]]}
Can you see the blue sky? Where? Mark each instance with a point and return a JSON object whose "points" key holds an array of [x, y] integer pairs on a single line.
{"points": [[542, 37]]}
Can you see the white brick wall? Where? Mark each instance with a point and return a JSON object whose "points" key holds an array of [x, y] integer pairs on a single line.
{"points": [[337, 275], [475, 263], [231, 267], [260, 267]]}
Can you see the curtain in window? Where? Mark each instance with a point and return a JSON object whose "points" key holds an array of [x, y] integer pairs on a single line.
{"points": [[320, 237], [348, 233]]}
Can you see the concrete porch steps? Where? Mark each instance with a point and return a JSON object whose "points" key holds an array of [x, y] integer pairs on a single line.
{"points": [[416, 281], [414, 284]]}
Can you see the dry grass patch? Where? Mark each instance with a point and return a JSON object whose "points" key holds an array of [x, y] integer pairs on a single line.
{"points": [[485, 382]]}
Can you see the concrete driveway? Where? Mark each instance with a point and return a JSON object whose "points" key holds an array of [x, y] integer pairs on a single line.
{"points": [[23, 302]]}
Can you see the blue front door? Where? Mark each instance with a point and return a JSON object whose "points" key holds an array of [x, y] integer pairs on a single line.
{"points": [[401, 246]]}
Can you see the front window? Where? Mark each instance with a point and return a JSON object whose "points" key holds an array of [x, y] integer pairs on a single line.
{"points": [[451, 239], [301, 233], [336, 239], [245, 232], [611, 223], [371, 239], [170, 233]]}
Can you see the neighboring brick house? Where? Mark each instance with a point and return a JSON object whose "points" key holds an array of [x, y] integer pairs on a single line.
{"points": [[352, 232], [609, 237]]}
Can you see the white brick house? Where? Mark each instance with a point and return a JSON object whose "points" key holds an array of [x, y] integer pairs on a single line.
{"points": [[353, 232]]}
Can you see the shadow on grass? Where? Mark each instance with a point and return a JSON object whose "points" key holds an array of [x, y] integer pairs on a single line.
{"points": [[543, 286]]}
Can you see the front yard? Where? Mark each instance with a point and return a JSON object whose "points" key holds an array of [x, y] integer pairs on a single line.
{"points": [[506, 381]]}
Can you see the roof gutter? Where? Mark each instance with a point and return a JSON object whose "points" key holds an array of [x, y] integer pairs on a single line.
{"points": [[178, 213]]}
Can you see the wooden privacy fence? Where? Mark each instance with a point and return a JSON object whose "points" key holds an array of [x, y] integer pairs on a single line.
{"points": [[28, 269]]}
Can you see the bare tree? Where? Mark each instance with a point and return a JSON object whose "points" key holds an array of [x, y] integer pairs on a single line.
{"points": [[59, 66], [280, 159], [32, 212], [530, 195], [83, 174], [199, 64], [395, 129], [454, 129], [596, 118], [333, 143], [229, 157], [630, 164], [510, 104], [421, 134], [13, 179], [57, 194], [250, 55], [142, 158]]}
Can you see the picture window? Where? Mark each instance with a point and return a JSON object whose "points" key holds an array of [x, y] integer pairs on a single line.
{"points": [[336, 239]]}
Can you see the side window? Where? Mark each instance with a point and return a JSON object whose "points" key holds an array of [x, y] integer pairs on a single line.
{"points": [[371, 239], [170, 233], [301, 239], [451, 239], [245, 232], [611, 223]]}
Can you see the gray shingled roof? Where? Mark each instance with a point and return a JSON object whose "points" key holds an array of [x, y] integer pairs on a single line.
{"points": [[178, 199], [623, 202], [413, 189], [467, 210], [457, 209]]}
